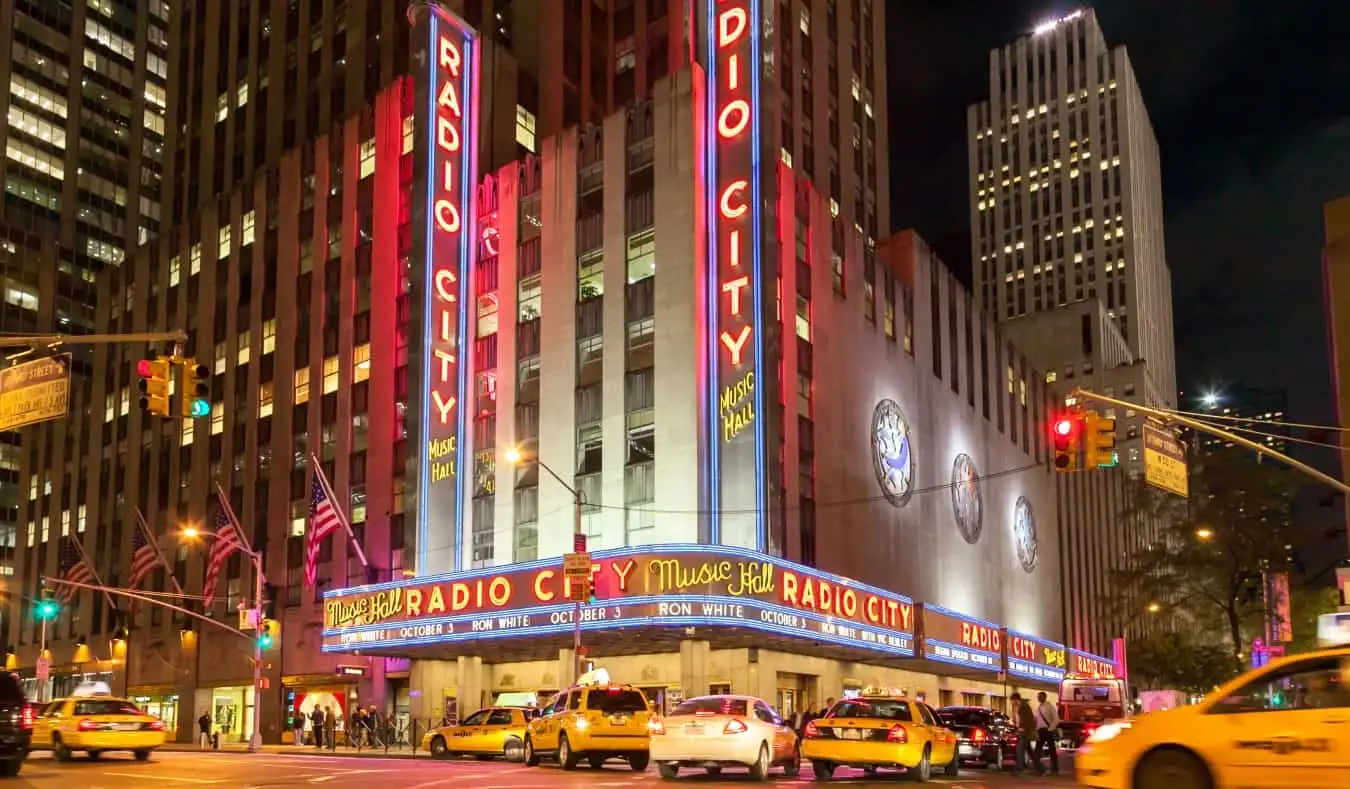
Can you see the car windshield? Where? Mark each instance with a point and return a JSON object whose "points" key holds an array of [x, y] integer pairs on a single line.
{"points": [[712, 705], [959, 717], [612, 700], [105, 707], [874, 708], [10, 689]]}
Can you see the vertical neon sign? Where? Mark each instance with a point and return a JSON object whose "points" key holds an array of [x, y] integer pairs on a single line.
{"points": [[734, 291], [452, 151]]}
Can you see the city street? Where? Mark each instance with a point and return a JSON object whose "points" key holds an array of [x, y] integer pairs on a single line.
{"points": [[182, 770]]}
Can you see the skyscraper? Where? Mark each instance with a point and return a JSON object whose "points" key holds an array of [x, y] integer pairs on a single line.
{"points": [[1065, 191], [84, 142]]}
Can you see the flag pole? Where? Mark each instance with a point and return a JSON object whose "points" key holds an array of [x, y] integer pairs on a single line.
{"points": [[342, 515], [159, 552], [79, 546], [238, 527]]}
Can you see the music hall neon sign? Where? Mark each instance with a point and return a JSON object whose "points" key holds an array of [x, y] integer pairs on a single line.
{"points": [[451, 240], [734, 307]]}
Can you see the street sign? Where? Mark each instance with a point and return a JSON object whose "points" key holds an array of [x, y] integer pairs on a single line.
{"points": [[44, 669], [248, 619], [35, 392], [1165, 461], [576, 565]]}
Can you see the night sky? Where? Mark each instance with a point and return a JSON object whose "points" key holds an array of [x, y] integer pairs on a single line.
{"points": [[1250, 102]]}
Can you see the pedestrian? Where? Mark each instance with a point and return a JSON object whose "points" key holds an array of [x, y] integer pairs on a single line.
{"points": [[330, 728], [373, 719], [204, 729], [298, 729], [1047, 732], [1026, 734], [316, 720]]}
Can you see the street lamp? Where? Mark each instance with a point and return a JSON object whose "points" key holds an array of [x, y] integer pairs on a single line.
{"points": [[192, 533], [1204, 534], [514, 456], [1154, 608]]}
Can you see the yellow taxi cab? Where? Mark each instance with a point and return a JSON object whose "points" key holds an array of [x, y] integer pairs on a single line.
{"points": [[593, 721], [96, 722], [1285, 724], [495, 731], [873, 731]]}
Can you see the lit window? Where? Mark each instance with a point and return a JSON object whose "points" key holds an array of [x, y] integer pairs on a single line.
{"points": [[804, 318], [195, 259], [367, 158], [175, 270], [241, 94], [528, 299], [36, 126], [223, 247], [36, 159], [306, 256], [302, 385], [269, 336], [217, 418], [249, 223], [222, 107], [804, 20], [488, 304], [32, 533], [221, 351], [265, 400], [80, 519], [186, 439], [37, 95], [525, 125], [65, 523], [332, 366], [1051, 377], [245, 348], [590, 275], [641, 256], [109, 408], [46, 527], [126, 402], [408, 127], [360, 363], [32, 487]]}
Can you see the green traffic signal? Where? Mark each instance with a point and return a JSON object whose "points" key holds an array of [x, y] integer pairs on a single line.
{"points": [[265, 634], [48, 609]]}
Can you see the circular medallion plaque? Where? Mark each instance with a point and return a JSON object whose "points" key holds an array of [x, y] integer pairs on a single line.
{"points": [[1024, 533], [967, 504], [892, 453]]}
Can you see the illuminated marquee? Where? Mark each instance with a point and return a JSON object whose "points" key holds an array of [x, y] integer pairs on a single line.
{"points": [[951, 637], [452, 133], [676, 586], [734, 288], [1034, 658], [1083, 664]]}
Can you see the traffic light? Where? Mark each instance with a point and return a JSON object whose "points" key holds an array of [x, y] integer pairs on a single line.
{"points": [[1099, 441], [196, 390], [154, 385], [267, 633], [1066, 429], [48, 609]]}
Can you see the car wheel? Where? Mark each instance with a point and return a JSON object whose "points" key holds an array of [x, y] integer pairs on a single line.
{"points": [[11, 768], [714, 770], [1174, 769], [511, 750], [870, 772], [994, 759], [439, 750], [531, 758], [759, 771], [668, 772], [94, 755], [824, 771], [596, 762], [792, 768], [639, 762], [953, 767], [922, 771], [59, 750], [141, 755], [566, 758]]}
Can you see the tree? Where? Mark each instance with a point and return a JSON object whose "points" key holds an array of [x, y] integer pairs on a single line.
{"points": [[1208, 554], [1306, 604], [1169, 660]]}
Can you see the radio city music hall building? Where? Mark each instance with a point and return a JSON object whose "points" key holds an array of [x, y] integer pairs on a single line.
{"points": [[809, 465]]}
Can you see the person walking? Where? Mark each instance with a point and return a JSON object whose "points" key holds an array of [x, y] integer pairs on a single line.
{"points": [[330, 728], [204, 731], [1026, 733], [316, 721], [1047, 732], [298, 730]]}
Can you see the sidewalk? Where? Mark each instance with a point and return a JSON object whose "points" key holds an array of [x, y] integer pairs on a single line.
{"points": [[304, 750]]}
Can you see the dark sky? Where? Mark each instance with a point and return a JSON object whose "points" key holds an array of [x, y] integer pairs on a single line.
{"points": [[1250, 101]]}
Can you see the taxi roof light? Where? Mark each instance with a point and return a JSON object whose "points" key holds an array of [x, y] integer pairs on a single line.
{"points": [[91, 689], [597, 676]]}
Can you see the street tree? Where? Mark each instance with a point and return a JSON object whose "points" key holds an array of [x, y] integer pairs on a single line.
{"points": [[1204, 564], [1174, 660]]}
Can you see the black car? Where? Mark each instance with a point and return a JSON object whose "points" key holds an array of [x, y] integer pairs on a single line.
{"points": [[16, 725], [983, 734]]}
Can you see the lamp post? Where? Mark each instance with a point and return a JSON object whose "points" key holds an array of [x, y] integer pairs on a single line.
{"points": [[254, 741], [514, 457]]}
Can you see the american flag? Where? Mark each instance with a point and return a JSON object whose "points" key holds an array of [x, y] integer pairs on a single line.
{"points": [[323, 521], [74, 568], [226, 542], [144, 557]]}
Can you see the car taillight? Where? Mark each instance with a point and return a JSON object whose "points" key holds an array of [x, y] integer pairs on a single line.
{"points": [[897, 734], [656, 727], [811, 730], [978, 735], [155, 725], [735, 726], [26, 717], [87, 725]]}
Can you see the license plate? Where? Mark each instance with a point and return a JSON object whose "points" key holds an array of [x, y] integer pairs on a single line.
{"points": [[618, 720], [850, 734], [693, 728], [127, 726]]}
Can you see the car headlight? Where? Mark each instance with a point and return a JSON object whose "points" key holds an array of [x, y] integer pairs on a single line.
{"points": [[1108, 731]]}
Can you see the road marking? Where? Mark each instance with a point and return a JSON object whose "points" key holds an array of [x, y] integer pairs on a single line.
{"points": [[168, 778]]}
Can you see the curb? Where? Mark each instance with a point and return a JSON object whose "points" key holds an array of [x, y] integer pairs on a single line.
{"points": [[303, 751]]}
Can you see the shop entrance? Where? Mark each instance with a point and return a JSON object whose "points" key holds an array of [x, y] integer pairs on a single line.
{"points": [[797, 694], [231, 711], [161, 706]]}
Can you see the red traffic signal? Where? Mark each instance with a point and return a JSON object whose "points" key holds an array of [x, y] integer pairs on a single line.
{"points": [[1067, 430], [145, 368], [1064, 427]]}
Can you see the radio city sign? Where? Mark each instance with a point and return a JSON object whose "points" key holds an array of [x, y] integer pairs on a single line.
{"points": [[451, 182], [671, 585], [952, 637], [1034, 658], [1083, 664]]}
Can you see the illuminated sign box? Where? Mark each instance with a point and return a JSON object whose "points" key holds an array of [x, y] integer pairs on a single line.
{"points": [[677, 586], [952, 637], [1085, 664], [1034, 658]]}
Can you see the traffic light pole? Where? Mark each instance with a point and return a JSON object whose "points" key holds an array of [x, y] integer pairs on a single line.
{"points": [[34, 340], [255, 742]]}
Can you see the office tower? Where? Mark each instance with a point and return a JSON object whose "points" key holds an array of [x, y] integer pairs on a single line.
{"points": [[1253, 413], [1065, 191], [84, 142]]}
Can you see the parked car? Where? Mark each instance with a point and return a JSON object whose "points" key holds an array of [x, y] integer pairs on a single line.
{"points": [[712, 732], [983, 734], [16, 725]]}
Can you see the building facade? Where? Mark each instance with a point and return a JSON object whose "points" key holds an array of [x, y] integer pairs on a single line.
{"points": [[1066, 190]]}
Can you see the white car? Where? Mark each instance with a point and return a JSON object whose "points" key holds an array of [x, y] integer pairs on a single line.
{"points": [[712, 732]]}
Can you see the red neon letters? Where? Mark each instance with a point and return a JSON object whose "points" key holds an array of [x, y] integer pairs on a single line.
{"points": [[987, 639], [1023, 649], [448, 193], [734, 209]]}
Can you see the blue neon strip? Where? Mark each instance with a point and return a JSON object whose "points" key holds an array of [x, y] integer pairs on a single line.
{"points": [[423, 522], [761, 477], [1057, 674], [714, 359], [1043, 642], [956, 662], [468, 188], [619, 553], [996, 657], [669, 621], [964, 617]]}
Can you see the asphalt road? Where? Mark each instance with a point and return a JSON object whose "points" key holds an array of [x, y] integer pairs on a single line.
{"points": [[186, 770]]}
